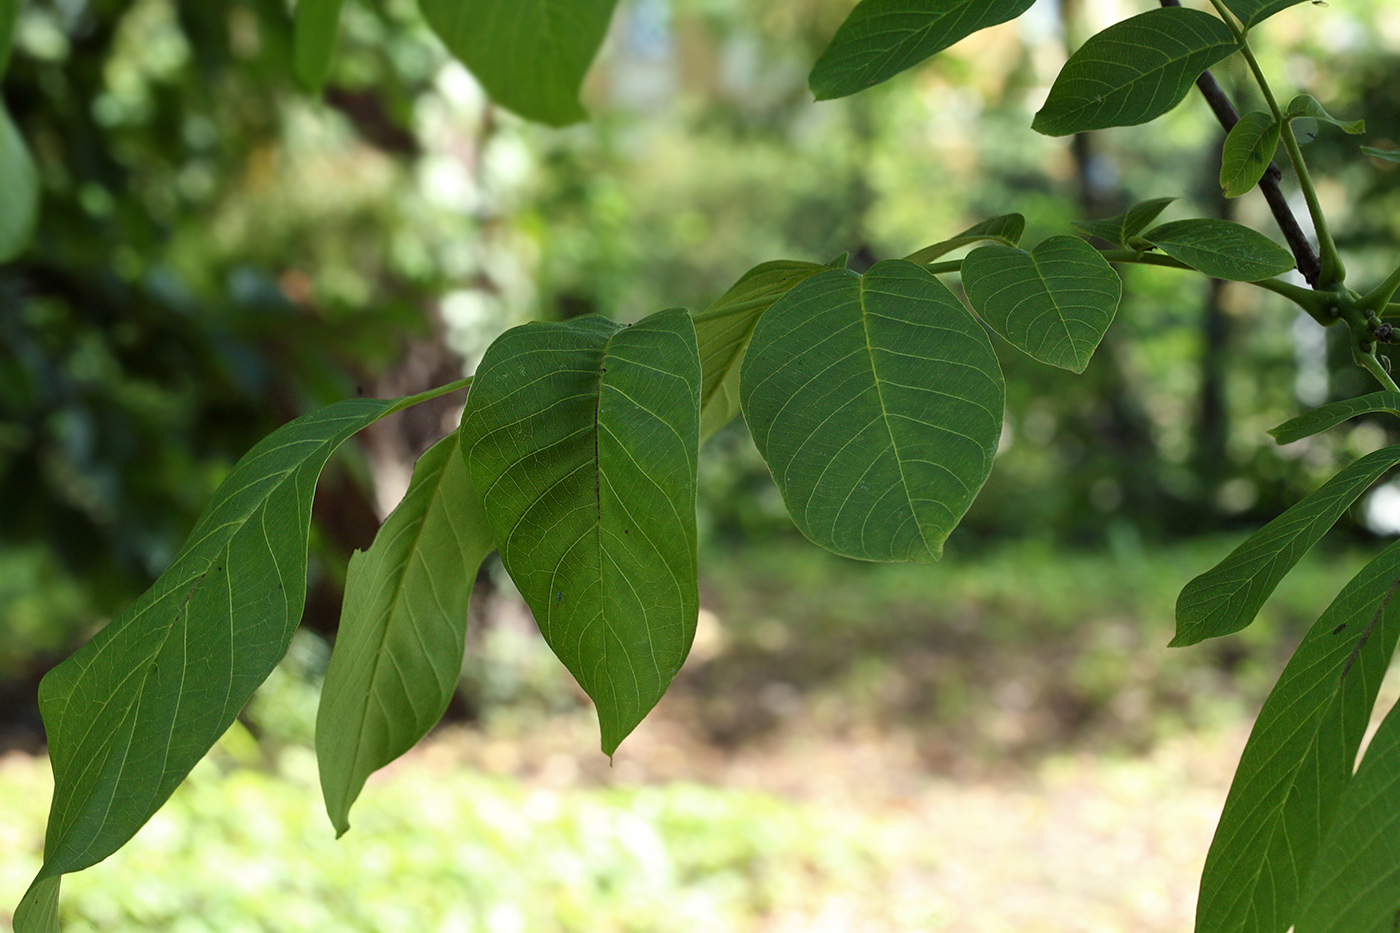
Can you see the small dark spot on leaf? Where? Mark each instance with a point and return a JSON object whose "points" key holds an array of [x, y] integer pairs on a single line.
{"points": [[1339, 628]]}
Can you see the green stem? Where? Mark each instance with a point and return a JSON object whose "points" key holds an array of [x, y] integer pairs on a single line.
{"points": [[1378, 298], [1333, 272], [408, 401], [1374, 367]]}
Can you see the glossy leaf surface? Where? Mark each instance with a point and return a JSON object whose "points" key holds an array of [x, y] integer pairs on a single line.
{"points": [[19, 190], [1221, 249], [530, 55], [1298, 759], [1253, 12], [1006, 230], [1248, 151], [1329, 416], [881, 38], [725, 327], [1355, 885], [1305, 106], [1227, 597], [582, 440], [398, 650], [1134, 71], [877, 402], [1054, 303], [134, 709], [1123, 227], [316, 25]]}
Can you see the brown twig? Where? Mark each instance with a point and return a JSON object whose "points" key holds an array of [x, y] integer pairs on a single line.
{"points": [[1303, 253]]}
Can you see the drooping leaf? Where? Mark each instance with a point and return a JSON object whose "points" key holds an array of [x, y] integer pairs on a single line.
{"points": [[1221, 249], [133, 710], [1355, 885], [1329, 416], [1005, 229], [582, 440], [1254, 12], [724, 328], [1385, 155], [398, 651], [1054, 303], [876, 401], [530, 55], [1305, 106], [1125, 226], [1249, 148], [1134, 71], [881, 38], [1227, 597], [316, 25], [19, 190], [1298, 759]]}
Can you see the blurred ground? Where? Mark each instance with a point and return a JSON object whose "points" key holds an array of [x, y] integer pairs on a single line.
{"points": [[999, 743]]}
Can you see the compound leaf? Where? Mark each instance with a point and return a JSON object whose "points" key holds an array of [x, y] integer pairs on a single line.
{"points": [[1005, 229], [1221, 249], [1329, 416], [1249, 148], [1125, 226], [315, 28], [1305, 106], [134, 709], [530, 55], [398, 651], [1253, 12], [881, 38], [1054, 303], [1134, 71], [877, 402], [582, 440], [725, 327], [1355, 885], [19, 190], [1227, 597], [1298, 759]]}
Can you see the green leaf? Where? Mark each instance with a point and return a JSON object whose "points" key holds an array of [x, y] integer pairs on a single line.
{"points": [[1385, 155], [1227, 597], [19, 190], [1125, 226], [838, 262], [398, 653], [1355, 885], [881, 38], [317, 22], [582, 439], [133, 710], [1329, 416], [1298, 758], [1054, 303], [1005, 229], [1221, 249], [1134, 71], [1254, 12], [1305, 106], [876, 401], [1249, 148], [725, 328], [530, 55], [9, 15]]}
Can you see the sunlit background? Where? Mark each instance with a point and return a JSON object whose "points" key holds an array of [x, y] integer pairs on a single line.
{"points": [[998, 743]]}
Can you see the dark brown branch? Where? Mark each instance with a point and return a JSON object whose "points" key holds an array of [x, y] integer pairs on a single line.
{"points": [[1303, 253]]}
